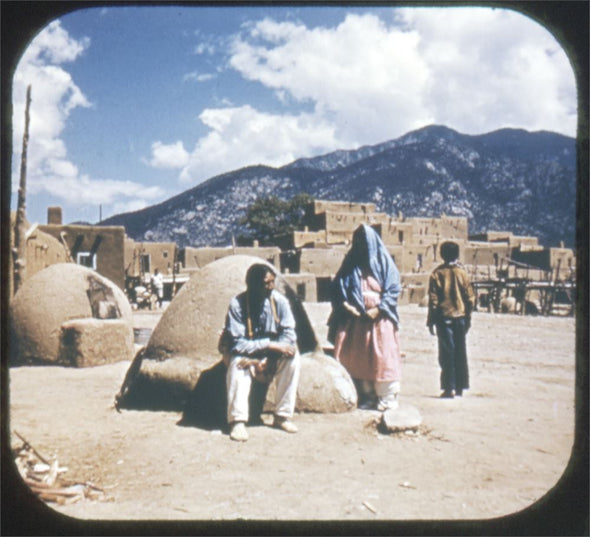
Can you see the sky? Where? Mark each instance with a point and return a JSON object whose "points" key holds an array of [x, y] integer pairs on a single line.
{"points": [[133, 105]]}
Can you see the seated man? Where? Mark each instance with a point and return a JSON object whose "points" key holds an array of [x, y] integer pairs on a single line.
{"points": [[261, 341]]}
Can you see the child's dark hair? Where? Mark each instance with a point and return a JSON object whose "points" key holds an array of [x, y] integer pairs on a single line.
{"points": [[449, 251]]}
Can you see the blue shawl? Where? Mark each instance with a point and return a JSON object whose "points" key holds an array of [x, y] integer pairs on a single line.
{"points": [[347, 282]]}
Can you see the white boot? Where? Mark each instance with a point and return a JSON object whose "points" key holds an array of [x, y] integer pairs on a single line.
{"points": [[388, 395]]}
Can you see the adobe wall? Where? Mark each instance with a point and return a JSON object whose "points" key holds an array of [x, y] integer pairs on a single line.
{"points": [[436, 230], [565, 258], [304, 285], [547, 259], [107, 243], [308, 239], [425, 227], [161, 256], [492, 236], [394, 232], [398, 254], [517, 241], [454, 227], [415, 279], [322, 262], [419, 258], [192, 258], [338, 223], [129, 256], [321, 206], [41, 250], [485, 253]]}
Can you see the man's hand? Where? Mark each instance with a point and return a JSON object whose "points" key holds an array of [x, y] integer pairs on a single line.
{"points": [[256, 366], [351, 309], [283, 348], [260, 365], [431, 330]]}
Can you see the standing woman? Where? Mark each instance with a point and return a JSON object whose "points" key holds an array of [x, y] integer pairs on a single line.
{"points": [[363, 325]]}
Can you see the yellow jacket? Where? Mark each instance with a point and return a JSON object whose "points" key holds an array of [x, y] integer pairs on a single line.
{"points": [[450, 294]]}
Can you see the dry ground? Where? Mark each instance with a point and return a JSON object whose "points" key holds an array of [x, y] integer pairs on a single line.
{"points": [[493, 452]]}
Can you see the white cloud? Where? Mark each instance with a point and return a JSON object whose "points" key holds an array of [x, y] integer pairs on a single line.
{"points": [[54, 45], [242, 135], [54, 95], [198, 77], [369, 80], [168, 156], [364, 77], [494, 68], [81, 189]]}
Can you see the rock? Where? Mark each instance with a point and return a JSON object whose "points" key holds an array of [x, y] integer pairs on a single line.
{"points": [[403, 418]]}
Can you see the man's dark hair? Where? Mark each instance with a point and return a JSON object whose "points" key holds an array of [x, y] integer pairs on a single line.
{"points": [[255, 275], [449, 251]]}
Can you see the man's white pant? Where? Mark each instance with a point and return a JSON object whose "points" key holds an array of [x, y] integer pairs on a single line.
{"points": [[239, 382]]}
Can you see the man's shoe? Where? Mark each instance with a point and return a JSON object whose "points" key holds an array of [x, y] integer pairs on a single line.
{"points": [[238, 431], [447, 394], [285, 424]]}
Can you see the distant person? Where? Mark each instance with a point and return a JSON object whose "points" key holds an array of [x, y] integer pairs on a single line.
{"points": [[450, 302], [364, 322], [157, 283], [261, 341]]}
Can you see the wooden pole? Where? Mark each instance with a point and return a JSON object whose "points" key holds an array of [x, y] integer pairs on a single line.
{"points": [[20, 224], [174, 269]]}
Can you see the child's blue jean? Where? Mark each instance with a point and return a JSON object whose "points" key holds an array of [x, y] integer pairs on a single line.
{"points": [[452, 354]]}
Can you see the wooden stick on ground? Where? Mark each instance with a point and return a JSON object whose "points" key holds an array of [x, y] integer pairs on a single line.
{"points": [[28, 445]]}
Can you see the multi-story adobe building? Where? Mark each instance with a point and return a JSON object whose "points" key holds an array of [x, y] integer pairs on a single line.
{"points": [[307, 258], [413, 243]]}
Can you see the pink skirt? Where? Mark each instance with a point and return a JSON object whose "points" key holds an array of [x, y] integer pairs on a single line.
{"points": [[369, 350]]}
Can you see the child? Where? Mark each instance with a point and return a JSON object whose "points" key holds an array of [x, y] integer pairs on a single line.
{"points": [[451, 300]]}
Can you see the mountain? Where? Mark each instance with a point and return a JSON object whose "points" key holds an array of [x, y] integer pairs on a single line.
{"points": [[510, 179]]}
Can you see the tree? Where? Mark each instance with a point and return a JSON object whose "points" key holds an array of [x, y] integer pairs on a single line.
{"points": [[270, 217]]}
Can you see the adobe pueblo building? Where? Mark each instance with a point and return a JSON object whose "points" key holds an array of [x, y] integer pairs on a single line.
{"points": [[501, 264]]}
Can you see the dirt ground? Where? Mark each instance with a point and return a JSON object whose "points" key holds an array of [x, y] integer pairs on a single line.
{"points": [[493, 452]]}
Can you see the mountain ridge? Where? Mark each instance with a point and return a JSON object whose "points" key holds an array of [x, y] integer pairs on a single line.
{"points": [[508, 179]]}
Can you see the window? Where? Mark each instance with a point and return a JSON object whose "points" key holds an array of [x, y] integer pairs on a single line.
{"points": [[145, 261], [86, 259], [418, 262]]}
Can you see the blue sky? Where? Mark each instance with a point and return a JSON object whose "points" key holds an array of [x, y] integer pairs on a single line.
{"points": [[132, 105]]}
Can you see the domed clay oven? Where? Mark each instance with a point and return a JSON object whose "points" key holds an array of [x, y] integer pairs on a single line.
{"points": [[68, 314], [184, 344]]}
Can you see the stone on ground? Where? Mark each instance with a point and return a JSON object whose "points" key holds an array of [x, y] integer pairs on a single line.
{"points": [[403, 418]]}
